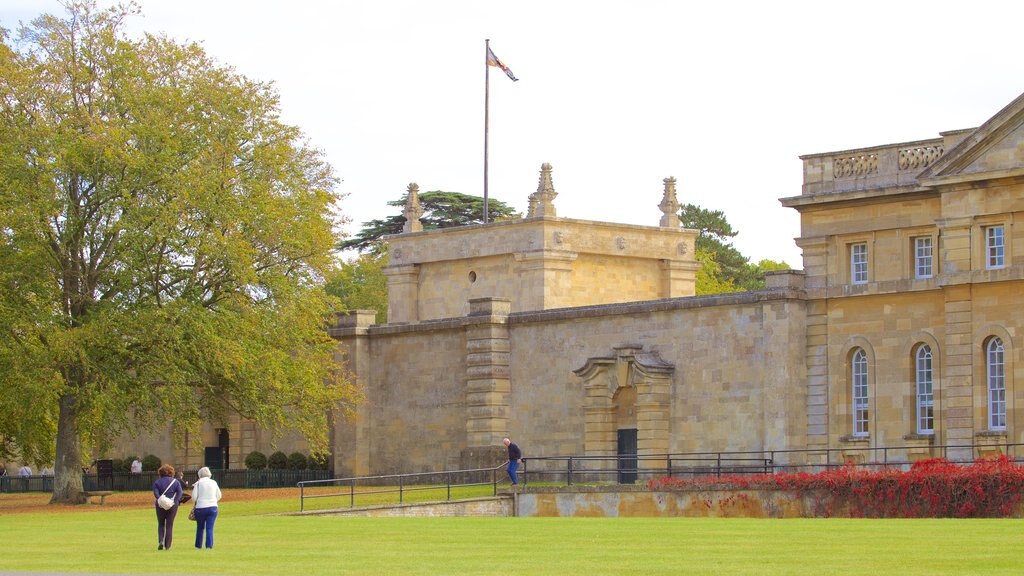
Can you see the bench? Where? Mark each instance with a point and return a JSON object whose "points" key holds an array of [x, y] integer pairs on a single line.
{"points": [[101, 493]]}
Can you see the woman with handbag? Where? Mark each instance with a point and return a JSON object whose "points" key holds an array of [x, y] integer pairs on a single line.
{"points": [[167, 491], [205, 495]]}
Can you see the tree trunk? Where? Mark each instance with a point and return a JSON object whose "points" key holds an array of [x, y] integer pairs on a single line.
{"points": [[67, 472]]}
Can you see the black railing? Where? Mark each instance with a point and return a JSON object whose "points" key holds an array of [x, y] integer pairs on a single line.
{"points": [[614, 469], [397, 486], [127, 482]]}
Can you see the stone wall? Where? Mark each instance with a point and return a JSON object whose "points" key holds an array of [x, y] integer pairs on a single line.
{"points": [[626, 502], [712, 373]]}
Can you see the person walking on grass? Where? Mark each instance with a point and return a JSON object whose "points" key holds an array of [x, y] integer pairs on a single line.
{"points": [[166, 485], [205, 495], [515, 457]]}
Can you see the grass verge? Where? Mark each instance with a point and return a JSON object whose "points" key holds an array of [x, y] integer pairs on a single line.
{"points": [[122, 540]]}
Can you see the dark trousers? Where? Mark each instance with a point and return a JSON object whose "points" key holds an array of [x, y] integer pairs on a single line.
{"points": [[165, 525], [512, 467], [205, 517]]}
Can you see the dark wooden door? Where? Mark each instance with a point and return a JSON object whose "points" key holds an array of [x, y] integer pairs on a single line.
{"points": [[627, 456]]}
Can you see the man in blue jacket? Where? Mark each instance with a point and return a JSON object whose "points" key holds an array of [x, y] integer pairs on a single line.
{"points": [[515, 456]]}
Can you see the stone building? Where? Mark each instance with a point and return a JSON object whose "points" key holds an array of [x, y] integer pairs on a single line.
{"points": [[585, 338]]}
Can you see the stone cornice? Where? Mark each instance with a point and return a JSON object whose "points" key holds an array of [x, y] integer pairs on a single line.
{"points": [[583, 312], [855, 197]]}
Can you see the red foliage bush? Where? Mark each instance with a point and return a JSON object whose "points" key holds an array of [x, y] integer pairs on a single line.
{"points": [[938, 488]]}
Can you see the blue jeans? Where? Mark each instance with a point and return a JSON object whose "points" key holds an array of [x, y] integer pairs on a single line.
{"points": [[205, 517], [512, 467]]}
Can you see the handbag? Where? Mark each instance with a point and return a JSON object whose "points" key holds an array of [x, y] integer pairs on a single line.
{"points": [[192, 513], [163, 501]]}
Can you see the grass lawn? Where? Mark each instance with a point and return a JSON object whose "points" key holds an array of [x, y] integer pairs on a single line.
{"points": [[121, 539]]}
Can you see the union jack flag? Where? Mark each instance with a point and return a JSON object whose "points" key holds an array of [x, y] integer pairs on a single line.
{"points": [[492, 60]]}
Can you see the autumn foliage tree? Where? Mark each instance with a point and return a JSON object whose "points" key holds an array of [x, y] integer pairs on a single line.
{"points": [[163, 240]]}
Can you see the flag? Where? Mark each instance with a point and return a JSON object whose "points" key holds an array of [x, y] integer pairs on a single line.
{"points": [[492, 60]]}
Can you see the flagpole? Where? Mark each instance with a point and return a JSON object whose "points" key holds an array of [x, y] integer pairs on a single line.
{"points": [[487, 113]]}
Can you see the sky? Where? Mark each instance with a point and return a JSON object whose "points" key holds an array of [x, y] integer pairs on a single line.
{"points": [[724, 96]]}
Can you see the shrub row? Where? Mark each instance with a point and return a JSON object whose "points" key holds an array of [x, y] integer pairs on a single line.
{"points": [[934, 488], [256, 460]]}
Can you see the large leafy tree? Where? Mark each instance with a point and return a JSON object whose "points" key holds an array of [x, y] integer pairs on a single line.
{"points": [[724, 268], [440, 210], [360, 284], [163, 237]]}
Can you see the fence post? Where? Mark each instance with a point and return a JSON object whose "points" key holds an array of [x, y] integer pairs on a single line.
{"points": [[352, 493], [718, 465], [668, 465], [449, 476], [401, 487], [569, 475]]}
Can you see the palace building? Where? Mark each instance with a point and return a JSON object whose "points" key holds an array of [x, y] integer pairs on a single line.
{"points": [[904, 330]]}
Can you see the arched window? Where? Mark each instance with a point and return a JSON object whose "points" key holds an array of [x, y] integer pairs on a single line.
{"points": [[925, 390], [995, 370], [859, 378]]}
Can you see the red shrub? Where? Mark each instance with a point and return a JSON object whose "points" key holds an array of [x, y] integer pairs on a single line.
{"points": [[935, 488]]}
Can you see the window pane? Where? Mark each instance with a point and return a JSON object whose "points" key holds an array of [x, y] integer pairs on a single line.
{"points": [[925, 391], [994, 246], [859, 263], [923, 257], [859, 377], [996, 385]]}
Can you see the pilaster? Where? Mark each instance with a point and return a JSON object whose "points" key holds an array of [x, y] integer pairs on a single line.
{"points": [[488, 383], [679, 278], [545, 278], [403, 293], [350, 443], [957, 405]]}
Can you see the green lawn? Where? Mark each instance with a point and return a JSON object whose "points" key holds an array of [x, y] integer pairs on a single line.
{"points": [[124, 542]]}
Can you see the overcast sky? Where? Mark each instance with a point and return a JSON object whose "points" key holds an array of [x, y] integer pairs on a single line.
{"points": [[615, 95]]}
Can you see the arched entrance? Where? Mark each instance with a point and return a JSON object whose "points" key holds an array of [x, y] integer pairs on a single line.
{"points": [[627, 411]]}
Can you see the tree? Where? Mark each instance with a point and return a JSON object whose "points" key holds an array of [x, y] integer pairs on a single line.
{"points": [[163, 237], [360, 283], [440, 210], [724, 268]]}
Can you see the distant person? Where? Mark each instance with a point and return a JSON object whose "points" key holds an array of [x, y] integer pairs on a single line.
{"points": [[25, 471], [205, 495], [515, 457], [136, 466], [166, 485], [46, 471], [185, 496]]}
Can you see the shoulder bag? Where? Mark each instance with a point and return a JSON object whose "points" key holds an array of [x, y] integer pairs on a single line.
{"points": [[164, 501]]}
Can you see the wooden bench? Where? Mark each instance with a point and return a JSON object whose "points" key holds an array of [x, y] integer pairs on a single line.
{"points": [[101, 493]]}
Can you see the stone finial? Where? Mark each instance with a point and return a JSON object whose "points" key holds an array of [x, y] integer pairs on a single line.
{"points": [[542, 201], [413, 210], [669, 205]]}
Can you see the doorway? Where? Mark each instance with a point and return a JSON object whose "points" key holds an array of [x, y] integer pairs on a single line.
{"points": [[627, 455]]}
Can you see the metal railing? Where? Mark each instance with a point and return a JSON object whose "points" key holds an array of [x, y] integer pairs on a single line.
{"points": [[628, 469], [401, 485], [127, 482]]}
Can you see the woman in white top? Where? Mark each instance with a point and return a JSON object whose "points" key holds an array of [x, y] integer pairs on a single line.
{"points": [[205, 494]]}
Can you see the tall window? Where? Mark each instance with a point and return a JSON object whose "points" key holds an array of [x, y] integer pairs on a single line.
{"points": [[925, 390], [859, 377], [923, 257], [995, 245], [996, 377], [859, 263]]}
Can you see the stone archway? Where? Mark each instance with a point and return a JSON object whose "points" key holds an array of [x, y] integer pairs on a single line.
{"points": [[631, 389]]}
